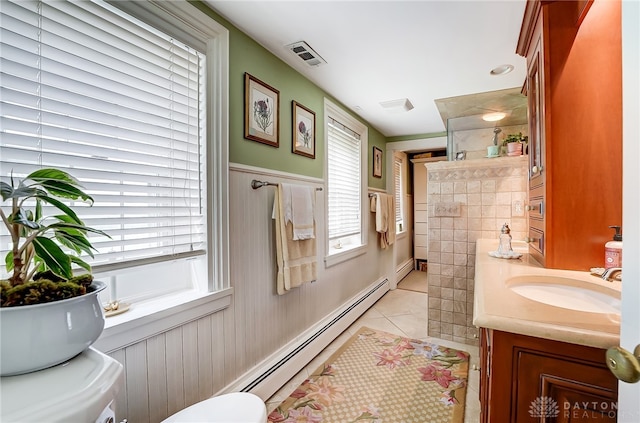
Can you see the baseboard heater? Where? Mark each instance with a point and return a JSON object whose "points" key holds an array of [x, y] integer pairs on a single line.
{"points": [[266, 379], [404, 269]]}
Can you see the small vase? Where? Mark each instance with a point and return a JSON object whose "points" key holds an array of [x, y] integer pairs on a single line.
{"points": [[514, 149]]}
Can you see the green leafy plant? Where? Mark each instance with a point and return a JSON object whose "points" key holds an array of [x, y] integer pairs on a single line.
{"points": [[44, 248], [515, 138]]}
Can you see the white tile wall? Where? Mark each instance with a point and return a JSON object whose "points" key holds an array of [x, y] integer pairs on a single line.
{"points": [[486, 190]]}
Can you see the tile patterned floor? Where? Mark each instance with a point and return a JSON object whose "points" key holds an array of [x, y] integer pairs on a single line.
{"points": [[415, 281], [401, 312]]}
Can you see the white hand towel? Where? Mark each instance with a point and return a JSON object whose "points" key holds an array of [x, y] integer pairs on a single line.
{"points": [[301, 200], [390, 235], [296, 260], [385, 222], [381, 212], [285, 198]]}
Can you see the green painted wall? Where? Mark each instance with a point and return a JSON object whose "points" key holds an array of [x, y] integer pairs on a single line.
{"points": [[246, 55], [416, 137], [378, 140]]}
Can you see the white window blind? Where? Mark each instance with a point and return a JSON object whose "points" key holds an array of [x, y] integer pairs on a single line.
{"points": [[120, 106], [398, 189], [344, 203]]}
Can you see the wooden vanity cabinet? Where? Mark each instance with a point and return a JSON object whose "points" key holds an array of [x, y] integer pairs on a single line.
{"points": [[574, 93], [518, 370]]}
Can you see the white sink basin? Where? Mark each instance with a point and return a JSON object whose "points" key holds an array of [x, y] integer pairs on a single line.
{"points": [[567, 293]]}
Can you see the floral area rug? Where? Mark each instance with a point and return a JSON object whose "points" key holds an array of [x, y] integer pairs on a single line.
{"points": [[379, 377]]}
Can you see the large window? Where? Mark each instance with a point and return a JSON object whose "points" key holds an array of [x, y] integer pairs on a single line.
{"points": [[124, 105], [346, 180]]}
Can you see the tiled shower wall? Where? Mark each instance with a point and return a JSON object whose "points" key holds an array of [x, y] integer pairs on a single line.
{"points": [[487, 193]]}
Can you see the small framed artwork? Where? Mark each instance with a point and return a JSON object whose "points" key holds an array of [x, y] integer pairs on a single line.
{"points": [[377, 162], [261, 112], [304, 131]]}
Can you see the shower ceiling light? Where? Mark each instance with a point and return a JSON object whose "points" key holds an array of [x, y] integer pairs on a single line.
{"points": [[493, 117], [501, 70]]}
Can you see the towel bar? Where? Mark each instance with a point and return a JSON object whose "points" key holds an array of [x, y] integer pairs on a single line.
{"points": [[255, 184]]}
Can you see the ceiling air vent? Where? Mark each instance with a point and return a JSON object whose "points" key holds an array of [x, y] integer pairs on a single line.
{"points": [[306, 53]]}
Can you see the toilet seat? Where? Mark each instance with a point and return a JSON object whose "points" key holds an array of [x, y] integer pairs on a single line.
{"points": [[236, 407]]}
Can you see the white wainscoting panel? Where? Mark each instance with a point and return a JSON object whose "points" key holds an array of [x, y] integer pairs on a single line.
{"points": [[157, 376], [175, 380], [172, 370], [137, 382], [268, 321]]}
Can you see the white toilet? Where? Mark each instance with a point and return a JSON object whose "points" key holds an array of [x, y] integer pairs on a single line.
{"points": [[80, 390], [237, 407]]}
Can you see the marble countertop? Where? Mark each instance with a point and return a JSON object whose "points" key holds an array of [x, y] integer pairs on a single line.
{"points": [[498, 307]]}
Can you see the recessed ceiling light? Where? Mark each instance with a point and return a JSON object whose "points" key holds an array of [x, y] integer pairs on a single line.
{"points": [[493, 117], [400, 105], [501, 70]]}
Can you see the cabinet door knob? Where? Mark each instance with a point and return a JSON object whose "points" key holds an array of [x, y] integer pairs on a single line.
{"points": [[530, 239], [529, 208], [624, 365], [535, 169]]}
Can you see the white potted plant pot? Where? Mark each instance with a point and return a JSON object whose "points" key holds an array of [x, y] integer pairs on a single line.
{"points": [[35, 337]]}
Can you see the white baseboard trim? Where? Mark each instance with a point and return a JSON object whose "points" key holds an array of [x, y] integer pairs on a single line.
{"points": [[404, 269], [266, 378]]}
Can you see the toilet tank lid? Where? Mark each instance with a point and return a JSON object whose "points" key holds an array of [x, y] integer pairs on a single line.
{"points": [[92, 379]]}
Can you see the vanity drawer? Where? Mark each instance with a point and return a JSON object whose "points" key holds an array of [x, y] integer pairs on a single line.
{"points": [[535, 208], [536, 239]]}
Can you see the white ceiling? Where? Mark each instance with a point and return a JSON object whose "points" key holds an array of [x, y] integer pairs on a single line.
{"points": [[379, 51]]}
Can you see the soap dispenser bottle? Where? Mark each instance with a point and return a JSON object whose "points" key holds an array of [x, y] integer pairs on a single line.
{"points": [[613, 250]]}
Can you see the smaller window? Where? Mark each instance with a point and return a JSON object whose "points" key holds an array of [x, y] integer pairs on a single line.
{"points": [[398, 188], [346, 142]]}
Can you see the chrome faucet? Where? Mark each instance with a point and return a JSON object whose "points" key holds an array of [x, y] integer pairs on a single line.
{"points": [[607, 275]]}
